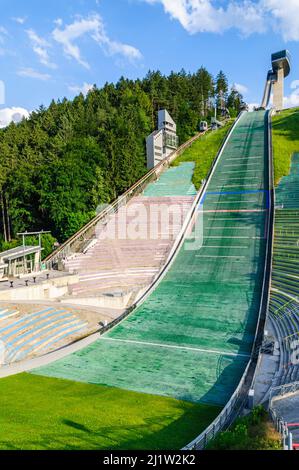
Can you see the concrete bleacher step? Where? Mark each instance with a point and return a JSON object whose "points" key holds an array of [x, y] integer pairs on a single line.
{"points": [[30, 334], [40, 341], [8, 314], [25, 336]]}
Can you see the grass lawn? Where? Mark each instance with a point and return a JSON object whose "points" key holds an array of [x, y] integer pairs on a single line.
{"points": [[203, 152], [45, 413], [285, 141], [253, 432]]}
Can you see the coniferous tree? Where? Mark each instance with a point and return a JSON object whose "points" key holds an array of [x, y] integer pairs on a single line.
{"points": [[57, 166]]}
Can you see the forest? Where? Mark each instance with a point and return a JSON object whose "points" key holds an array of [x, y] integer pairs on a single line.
{"points": [[58, 165]]}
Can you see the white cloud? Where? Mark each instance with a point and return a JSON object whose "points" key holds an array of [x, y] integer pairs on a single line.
{"points": [[198, 16], [8, 115], [241, 88], [85, 88], [40, 47], [3, 34], [94, 27], [285, 17], [31, 73], [292, 100], [58, 22], [252, 106], [247, 16], [19, 19]]}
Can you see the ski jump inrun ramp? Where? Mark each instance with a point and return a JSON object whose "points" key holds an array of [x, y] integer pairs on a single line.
{"points": [[192, 338]]}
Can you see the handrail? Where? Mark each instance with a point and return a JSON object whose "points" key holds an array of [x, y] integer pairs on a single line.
{"points": [[239, 398], [124, 198], [282, 390], [282, 428], [281, 425]]}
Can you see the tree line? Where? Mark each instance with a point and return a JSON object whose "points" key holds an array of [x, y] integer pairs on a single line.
{"points": [[63, 161]]}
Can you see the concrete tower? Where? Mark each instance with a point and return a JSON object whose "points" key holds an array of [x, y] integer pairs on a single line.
{"points": [[281, 66]]}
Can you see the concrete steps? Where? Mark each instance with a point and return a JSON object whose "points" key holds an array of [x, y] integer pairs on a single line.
{"points": [[125, 258], [22, 337]]}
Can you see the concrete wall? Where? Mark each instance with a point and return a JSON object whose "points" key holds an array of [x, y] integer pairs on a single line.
{"points": [[48, 290], [154, 149], [278, 90]]}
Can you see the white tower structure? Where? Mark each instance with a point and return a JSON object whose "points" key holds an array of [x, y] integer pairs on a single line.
{"points": [[281, 67], [163, 141]]}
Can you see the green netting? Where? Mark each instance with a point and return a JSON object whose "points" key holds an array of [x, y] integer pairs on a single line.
{"points": [[176, 181], [191, 339]]}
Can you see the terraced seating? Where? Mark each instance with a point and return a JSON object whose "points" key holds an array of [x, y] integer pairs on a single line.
{"points": [[25, 336], [125, 257], [129, 251], [284, 301]]}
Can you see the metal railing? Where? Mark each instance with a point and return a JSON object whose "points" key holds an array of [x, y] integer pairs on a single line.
{"points": [[76, 243], [239, 399], [283, 390], [281, 425]]}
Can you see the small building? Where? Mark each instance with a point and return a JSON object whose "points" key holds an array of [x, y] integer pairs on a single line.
{"points": [[163, 141], [20, 261]]}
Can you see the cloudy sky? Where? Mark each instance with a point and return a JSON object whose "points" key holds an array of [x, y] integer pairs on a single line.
{"points": [[61, 47]]}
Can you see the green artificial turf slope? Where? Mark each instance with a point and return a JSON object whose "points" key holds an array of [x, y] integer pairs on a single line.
{"points": [[46, 413]]}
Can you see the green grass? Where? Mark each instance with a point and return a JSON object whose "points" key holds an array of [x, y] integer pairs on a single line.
{"points": [[285, 141], [253, 432], [45, 413], [203, 152]]}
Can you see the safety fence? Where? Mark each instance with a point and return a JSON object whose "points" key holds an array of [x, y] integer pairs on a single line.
{"points": [[281, 425], [284, 389], [239, 400]]}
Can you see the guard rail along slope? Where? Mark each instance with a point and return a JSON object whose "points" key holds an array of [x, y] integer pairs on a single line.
{"points": [[284, 427], [239, 399]]}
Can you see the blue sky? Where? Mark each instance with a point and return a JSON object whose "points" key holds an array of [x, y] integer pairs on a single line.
{"points": [[56, 48]]}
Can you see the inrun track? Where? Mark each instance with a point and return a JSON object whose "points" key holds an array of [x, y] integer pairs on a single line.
{"points": [[208, 301]]}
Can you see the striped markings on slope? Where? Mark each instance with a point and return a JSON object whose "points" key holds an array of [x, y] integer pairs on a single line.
{"points": [[172, 346], [234, 210]]}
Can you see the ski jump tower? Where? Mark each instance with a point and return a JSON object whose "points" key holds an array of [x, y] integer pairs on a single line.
{"points": [[281, 67]]}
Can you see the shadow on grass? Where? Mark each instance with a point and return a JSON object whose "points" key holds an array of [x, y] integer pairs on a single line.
{"points": [[287, 125], [66, 434]]}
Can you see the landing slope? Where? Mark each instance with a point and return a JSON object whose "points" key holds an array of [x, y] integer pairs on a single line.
{"points": [[191, 339]]}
